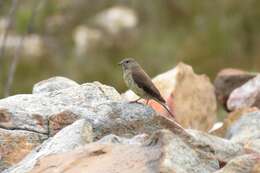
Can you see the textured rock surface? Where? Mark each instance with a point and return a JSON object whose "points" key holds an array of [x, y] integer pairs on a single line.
{"points": [[227, 80], [190, 96], [223, 149], [31, 111], [77, 134], [231, 118], [15, 144], [246, 129], [248, 95], [243, 164], [164, 152], [53, 84]]}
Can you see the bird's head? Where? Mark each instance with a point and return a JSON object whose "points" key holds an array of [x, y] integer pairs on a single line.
{"points": [[128, 64]]}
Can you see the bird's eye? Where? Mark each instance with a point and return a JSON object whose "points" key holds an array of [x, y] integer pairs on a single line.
{"points": [[127, 61]]}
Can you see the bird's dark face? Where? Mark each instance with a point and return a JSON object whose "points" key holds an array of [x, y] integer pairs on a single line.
{"points": [[128, 64]]}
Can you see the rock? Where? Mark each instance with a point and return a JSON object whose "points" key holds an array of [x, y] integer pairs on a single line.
{"points": [[71, 137], [164, 152], [223, 149], [246, 129], [230, 119], [243, 164], [190, 96], [248, 95], [229, 79], [253, 146], [15, 144], [60, 120], [53, 84], [117, 19], [31, 111]]}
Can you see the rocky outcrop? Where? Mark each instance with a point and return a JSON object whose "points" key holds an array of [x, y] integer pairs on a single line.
{"points": [[67, 127], [191, 97], [58, 102], [227, 80]]}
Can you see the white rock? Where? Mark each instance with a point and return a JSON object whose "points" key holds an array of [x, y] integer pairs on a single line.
{"points": [[53, 84], [248, 95]]}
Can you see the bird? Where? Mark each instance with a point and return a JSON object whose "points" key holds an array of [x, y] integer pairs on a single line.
{"points": [[140, 83]]}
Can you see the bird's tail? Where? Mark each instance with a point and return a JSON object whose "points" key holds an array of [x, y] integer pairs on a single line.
{"points": [[168, 110]]}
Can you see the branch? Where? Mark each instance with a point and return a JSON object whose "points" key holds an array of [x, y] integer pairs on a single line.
{"points": [[18, 49]]}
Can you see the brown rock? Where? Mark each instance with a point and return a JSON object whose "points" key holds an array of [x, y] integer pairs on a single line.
{"points": [[227, 80], [190, 97], [61, 120], [15, 144]]}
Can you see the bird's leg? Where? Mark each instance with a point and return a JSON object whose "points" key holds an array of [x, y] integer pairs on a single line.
{"points": [[147, 101], [135, 101]]}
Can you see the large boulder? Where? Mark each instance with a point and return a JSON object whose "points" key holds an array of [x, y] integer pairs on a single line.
{"points": [[32, 111], [54, 106], [164, 152], [73, 136], [248, 95], [229, 79], [190, 97]]}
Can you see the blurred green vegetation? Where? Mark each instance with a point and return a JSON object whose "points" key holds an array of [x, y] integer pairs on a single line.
{"points": [[209, 35]]}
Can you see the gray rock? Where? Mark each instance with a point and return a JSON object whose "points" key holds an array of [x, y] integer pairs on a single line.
{"points": [[248, 95], [71, 137], [246, 129], [124, 119], [53, 84], [224, 150], [31, 111]]}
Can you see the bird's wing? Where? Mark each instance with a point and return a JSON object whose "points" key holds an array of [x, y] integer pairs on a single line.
{"points": [[144, 81]]}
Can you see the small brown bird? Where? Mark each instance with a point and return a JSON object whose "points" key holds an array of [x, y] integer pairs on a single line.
{"points": [[139, 82]]}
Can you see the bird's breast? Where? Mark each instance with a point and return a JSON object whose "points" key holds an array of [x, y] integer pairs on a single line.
{"points": [[132, 85]]}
